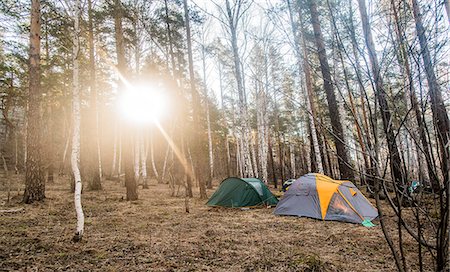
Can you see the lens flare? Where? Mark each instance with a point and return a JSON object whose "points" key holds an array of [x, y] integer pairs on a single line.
{"points": [[143, 104]]}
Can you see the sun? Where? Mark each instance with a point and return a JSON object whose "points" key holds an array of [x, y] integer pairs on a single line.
{"points": [[143, 104]]}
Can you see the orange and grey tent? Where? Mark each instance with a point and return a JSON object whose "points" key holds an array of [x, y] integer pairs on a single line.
{"points": [[319, 196]]}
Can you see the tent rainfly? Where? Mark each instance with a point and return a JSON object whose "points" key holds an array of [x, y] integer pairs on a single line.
{"points": [[319, 196], [242, 192]]}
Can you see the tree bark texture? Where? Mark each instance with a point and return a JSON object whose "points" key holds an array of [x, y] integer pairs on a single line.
{"points": [[128, 130], [93, 171], [76, 122], [442, 123], [338, 134], [34, 175], [394, 155]]}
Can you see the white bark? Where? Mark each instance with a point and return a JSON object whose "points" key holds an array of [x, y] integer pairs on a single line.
{"points": [[152, 157], [246, 156], [254, 160], [308, 156], [143, 154], [239, 158], [119, 167], [114, 162], [261, 118], [208, 121], [99, 151], [292, 153], [137, 152], [165, 163], [227, 145], [210, 146], [75, 158], [64, 158]]}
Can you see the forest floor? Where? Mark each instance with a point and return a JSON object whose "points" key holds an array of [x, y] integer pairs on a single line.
{"points": [[155, 233]]}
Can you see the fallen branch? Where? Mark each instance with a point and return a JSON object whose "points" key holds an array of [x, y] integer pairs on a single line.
{"points": [[12, 211]]}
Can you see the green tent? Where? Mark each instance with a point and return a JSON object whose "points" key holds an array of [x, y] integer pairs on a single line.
{"points": [[242, 192]]}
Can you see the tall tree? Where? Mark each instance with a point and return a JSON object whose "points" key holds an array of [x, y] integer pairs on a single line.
{"points": [[92, 142], [338, 134], [130, 180], [233, 14], [195, 106], [442, 123], [34, 176], [76, 115], [303, 64], [394, 155]]}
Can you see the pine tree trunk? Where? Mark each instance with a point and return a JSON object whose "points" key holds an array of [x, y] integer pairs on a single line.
{"points": [[303, 62], [370, 172], [404, 60], [195, 108], [394, 154], [447, 9], [34, 176], [93, 171], [128, 130], [355, 115], [130, 180], [137, 156], [442, 124], [292, 155], [227, 146], [76, 115], [341, 150], [114, 161]]}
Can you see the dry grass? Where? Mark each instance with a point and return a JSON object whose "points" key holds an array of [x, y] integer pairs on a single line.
{"points": [[155, 234]]}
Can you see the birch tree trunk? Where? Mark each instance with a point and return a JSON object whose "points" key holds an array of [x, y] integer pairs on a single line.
{"points": [[144, 155], [75, 158], [152, 157], [166, 157], [210, 146], [208, 121], [254, 159], [34, 175], [262, 133], [233, 17]]}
